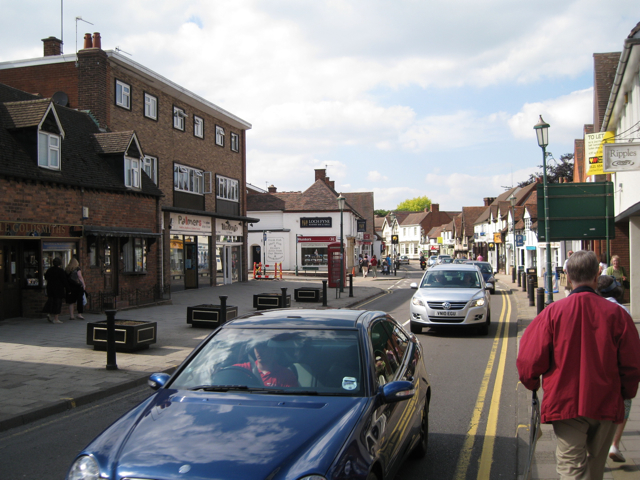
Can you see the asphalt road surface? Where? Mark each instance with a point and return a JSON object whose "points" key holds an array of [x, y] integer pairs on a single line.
{"points": [[472, 418]]}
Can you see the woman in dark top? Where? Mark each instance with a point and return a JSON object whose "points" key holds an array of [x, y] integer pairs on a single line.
{"points": [[75, 292], [56, 285]]}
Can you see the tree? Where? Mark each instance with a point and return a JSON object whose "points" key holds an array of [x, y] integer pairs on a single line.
{"points": [[555, 170], [381, 213], [417, 204]]}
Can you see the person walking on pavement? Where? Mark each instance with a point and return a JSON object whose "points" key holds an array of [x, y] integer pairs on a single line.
{"points": [[616, 270], [56, 287], [587, 351], [75, 292], [567, 287], [374, 266], [365, 266]]}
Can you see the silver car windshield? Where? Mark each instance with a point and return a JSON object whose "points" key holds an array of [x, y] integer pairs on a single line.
{"points": [[451, 279], [312, 362]]}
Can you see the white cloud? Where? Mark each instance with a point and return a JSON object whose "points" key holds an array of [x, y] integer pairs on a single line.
{"points": [[375, 176]]}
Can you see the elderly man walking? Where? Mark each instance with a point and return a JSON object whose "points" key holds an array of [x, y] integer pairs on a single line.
{"points": [[587, 350]]}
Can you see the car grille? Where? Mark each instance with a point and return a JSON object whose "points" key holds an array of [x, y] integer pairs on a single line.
{"points": [[446, 319], [454, 305]]}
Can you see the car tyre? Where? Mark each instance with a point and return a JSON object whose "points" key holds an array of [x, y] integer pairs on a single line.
{"points": [[415, 328], [421, 448], [484, 328], [372, 476], [493, 291]]}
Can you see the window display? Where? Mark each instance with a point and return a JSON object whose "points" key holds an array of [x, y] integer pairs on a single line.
{"points": [[314, 256]]}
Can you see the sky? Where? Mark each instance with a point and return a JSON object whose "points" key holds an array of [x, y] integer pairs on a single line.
{"points": [[403, 98]]}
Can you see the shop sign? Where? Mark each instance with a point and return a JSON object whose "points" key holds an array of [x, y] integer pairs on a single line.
{"points": [[17, 229], [226, 227], [621, 157], [275, 249], [497, 237], [302, 239], [362, 225], [315, 222], [434, 247], [190, 224]]}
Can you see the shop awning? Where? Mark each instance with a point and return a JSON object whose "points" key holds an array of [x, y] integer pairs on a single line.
{"points": [[120, 232]]}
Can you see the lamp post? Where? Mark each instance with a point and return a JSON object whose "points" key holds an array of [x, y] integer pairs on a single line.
{"points": [[341, 201], [392, 216], [513, 200], [542, 132]]}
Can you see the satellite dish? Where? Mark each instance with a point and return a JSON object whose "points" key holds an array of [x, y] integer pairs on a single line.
{"points": [[60, 98]]}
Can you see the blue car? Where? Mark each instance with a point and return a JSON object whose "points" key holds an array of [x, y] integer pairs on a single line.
{"points": [[487, 273], [281, 394]]}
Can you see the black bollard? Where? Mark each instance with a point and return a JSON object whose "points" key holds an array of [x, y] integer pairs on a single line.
{"points": [[223, 309], [284, 297], [513, 274], [519, 279], [524, 281], [324, 293], [540, 299], [530, 288], [111, 340], [350, 285]]}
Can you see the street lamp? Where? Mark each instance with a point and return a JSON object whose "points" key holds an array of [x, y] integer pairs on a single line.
{"points": [[392, 216], [542, 132], [513, 200], [341, 201]]}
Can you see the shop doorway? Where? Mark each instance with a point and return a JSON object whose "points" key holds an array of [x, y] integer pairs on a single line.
{"points": [[10, 297], [228, 264], [190, 263], [256, 253]]}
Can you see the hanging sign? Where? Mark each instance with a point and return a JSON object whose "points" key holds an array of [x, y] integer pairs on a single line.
{"points": [[621, 157]]}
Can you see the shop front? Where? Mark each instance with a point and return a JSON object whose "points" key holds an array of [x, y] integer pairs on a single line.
{"points": [[229, 241], [313, 251], [190, 251], [27, 250]]}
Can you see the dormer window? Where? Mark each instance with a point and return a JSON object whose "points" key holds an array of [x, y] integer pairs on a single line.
{"points": [[48, 150], [132, 172]]}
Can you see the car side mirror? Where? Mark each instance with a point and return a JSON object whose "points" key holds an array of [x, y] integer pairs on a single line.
{"points": [[158, 380], [414, 285], [397, 391]]}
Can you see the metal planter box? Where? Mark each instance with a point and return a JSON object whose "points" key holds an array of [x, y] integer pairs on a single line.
{"points": [[265, 301], [308, 294], [131, 335], [208, 316]]}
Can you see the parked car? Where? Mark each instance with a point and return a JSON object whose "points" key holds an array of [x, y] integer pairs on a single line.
{"points": [[451, 295], [487, 273], [403, 259], [458, 261], [277, 394], [443, 257], [432, 260]]}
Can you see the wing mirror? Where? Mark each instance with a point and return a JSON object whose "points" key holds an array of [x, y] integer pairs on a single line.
{"points": [[158, 380], [414, 285]]}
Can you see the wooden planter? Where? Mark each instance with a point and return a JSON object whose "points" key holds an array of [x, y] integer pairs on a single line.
{"points": [[208, 316], [265, 301], [308, 294], [131, 335]]}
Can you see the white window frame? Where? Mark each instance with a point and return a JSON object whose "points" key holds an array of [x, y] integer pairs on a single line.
{"points": [[123, 94], [150, 166], [227, 189], [235, 142], [198, 126], [219, 136], [150, 106], [134, 255], [179, 116], [188, 179], [49, 150], [131, 172]]}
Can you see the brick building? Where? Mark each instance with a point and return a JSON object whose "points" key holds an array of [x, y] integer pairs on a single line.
{"points": [[64, 194], [194, 152]]}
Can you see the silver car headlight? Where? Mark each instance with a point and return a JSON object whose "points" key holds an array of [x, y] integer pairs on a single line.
{"points": [[84, 468], [417, 301], [478, 302]]}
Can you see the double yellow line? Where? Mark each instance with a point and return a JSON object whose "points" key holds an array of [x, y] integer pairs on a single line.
{"points": [[486, 457]]}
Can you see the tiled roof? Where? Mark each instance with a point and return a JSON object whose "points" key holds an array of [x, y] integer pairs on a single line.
{"points": [[414, 218], [470, 215], [23, 114], [113, 142]]}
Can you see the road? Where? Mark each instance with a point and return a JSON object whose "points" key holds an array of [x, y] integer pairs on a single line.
{"points": [[472, 419]]}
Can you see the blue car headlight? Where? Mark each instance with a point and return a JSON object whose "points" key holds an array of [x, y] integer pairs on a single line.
{"points": [[84, 468]]}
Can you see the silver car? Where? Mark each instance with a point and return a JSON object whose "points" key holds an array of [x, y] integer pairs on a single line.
{"points": [[451, 295]]}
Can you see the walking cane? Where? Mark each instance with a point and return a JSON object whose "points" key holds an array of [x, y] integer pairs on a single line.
{"points": [[534, 433]]}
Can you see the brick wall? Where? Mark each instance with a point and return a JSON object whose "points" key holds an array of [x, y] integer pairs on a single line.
{"points": [[45, 80], [93, 84]]}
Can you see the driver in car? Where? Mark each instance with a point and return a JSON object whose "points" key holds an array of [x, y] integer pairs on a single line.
{"points": [[272, 373]]}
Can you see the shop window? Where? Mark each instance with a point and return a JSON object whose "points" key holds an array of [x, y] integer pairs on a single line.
{"points": [[204, 269], [315, 256], [48, 150], [31, 264], [134, 254], [92, 249]]}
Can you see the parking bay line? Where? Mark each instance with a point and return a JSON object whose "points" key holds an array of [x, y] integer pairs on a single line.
{"points": [[467, 448]]}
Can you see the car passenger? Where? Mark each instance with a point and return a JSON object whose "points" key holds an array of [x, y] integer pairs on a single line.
{"points": [[272, 373]]}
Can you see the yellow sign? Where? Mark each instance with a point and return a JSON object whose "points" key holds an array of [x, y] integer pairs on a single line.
{"points": [[440, 240], [593, 151], [497, 238]]}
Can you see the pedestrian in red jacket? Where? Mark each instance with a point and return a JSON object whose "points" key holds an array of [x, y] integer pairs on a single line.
{"points": [[587, 351]]}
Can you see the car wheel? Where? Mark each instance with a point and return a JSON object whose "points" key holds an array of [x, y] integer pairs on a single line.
{"points": [[415, 328], [493, 291], [372, 476], [484, 328], [421, 448]]}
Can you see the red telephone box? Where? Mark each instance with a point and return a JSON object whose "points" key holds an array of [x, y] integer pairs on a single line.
{"points": [[335, 265]]}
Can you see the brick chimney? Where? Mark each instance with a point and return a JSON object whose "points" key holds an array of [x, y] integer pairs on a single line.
{"points": [[331, 183], [272, 189], [488, 201], [52, 46], [435, 208], [93, 80], [321, 174], [88, 42]]}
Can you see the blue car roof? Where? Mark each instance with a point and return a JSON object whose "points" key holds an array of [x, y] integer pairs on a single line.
{"points": [[303, 318]]}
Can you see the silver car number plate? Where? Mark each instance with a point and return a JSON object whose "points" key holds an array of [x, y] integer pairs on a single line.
{"points": [[446, 314]]}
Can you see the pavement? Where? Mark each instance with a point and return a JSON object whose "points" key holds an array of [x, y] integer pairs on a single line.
{"points": [[47, 369]]}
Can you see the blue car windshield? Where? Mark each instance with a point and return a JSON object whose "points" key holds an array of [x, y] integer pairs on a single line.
{"points": [[310, 362], [451, 279]]}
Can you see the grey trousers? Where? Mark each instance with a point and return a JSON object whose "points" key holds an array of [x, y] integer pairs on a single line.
{"points": [[583, 446]]}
